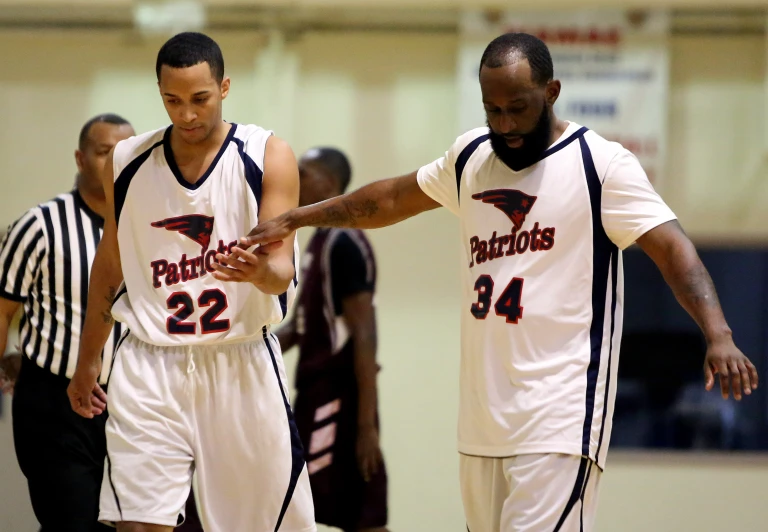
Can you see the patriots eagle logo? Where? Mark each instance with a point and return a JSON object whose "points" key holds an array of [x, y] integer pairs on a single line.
{"points": [[515, 204], [197, 227]]}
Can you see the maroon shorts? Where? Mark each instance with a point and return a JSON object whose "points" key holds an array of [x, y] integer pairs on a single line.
{"points": [[326, 416]]}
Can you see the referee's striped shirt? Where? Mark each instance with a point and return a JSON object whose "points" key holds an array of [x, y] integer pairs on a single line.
{"points": [[45, 263]]}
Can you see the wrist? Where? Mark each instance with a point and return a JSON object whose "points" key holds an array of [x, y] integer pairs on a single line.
{"points": [[87, 362], [722, 334], [292, 219]]}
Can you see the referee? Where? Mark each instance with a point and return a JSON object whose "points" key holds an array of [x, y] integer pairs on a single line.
{"points": [[45, 260]]}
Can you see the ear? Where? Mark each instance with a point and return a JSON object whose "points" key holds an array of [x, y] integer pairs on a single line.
{"points": [[552, 91], [79, 156], [225, 87]]}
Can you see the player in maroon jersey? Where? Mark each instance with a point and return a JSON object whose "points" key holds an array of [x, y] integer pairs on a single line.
{"points": [[335, 329]]}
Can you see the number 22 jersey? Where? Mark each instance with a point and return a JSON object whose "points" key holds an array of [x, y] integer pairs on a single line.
{"points": [[542, 288], [169, 232]]}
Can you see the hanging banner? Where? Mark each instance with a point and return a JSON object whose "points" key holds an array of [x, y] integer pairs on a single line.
{"points": [[613, 65]]}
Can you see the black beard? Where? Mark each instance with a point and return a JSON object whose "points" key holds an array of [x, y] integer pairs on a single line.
{"points": [[534, 145]]}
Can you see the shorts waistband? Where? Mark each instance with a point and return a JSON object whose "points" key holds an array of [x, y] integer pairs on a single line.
{"points": [[201, 348]]}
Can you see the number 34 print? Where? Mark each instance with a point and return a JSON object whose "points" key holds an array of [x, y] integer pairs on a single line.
{"points": [[508, 303]]}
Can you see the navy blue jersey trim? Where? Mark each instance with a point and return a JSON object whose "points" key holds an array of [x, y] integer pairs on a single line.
{"points": [[602, 251], [114, 356], [120, 291], [466, 153], [463, 158], [614, 283], [297, 449], [583, 493], [171, 160], [123, 181], [112, 485], [556, 148], [575, 493], [283, 298], [253, 174], [578, 134]]}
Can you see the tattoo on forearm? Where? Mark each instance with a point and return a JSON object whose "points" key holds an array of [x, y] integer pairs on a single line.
{"points": [[333, 216], [106, 315], [349, 212], [365, 209]]}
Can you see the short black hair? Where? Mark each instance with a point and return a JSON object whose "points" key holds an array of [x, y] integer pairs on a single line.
{"points": [[335, 162], [510, 46], [189, 49], [107, 118]]}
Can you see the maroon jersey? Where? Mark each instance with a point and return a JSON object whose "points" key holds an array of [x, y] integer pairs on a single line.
{"points": [[336, 264]]}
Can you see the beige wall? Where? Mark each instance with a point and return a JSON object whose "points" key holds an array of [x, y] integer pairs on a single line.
{"points": [[389, 100]]}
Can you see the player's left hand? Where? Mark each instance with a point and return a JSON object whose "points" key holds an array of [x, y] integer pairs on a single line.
{"points": [[368, 452], [243, 266], [736, 372]]}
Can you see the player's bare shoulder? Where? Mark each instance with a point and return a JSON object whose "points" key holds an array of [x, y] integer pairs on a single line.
{"points": [[279, 158], [279, 148]]}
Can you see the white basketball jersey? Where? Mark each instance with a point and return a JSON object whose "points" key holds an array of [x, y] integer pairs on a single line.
{"points": [[169, 232], [542, 288]]}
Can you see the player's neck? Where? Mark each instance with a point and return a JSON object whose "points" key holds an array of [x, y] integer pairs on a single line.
{"points": [[558, 128], [95, 200]]}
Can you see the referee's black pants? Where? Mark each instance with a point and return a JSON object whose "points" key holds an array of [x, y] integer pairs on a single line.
{"points": [[61, 454]]}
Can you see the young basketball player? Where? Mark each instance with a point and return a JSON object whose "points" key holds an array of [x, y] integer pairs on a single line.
{"points": [[335, 329], [198, 382], [546, 207]]}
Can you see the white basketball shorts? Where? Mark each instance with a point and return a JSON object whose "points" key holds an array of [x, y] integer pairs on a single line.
{"points": [[529, 493], [218, 411]]}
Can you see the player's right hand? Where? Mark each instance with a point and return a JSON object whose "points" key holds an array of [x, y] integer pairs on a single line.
{"points": [[274, 230], [368, 452], [10, 365], [85, 395]]}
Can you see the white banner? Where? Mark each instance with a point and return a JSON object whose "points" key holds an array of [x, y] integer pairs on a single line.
{"points": [[613, 67]]}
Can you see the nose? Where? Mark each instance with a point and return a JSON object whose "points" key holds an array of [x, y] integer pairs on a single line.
{"points": [[505, 124], [188, 114]]}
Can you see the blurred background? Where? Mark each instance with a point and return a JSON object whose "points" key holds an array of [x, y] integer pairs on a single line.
{"points": [[681, 83]]}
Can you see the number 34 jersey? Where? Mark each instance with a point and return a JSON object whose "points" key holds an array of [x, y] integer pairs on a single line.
{"points": [[169, 232], [542, 288]]}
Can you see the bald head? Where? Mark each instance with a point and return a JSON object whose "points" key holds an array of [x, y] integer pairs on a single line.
{"points": [[513, 48]]}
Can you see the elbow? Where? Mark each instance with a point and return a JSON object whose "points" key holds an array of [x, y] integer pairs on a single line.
{"points": [[280, 281], [277, 289]]}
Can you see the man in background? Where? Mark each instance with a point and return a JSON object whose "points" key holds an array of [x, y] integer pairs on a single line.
{"points": [[45, 262], [335, 329]]}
